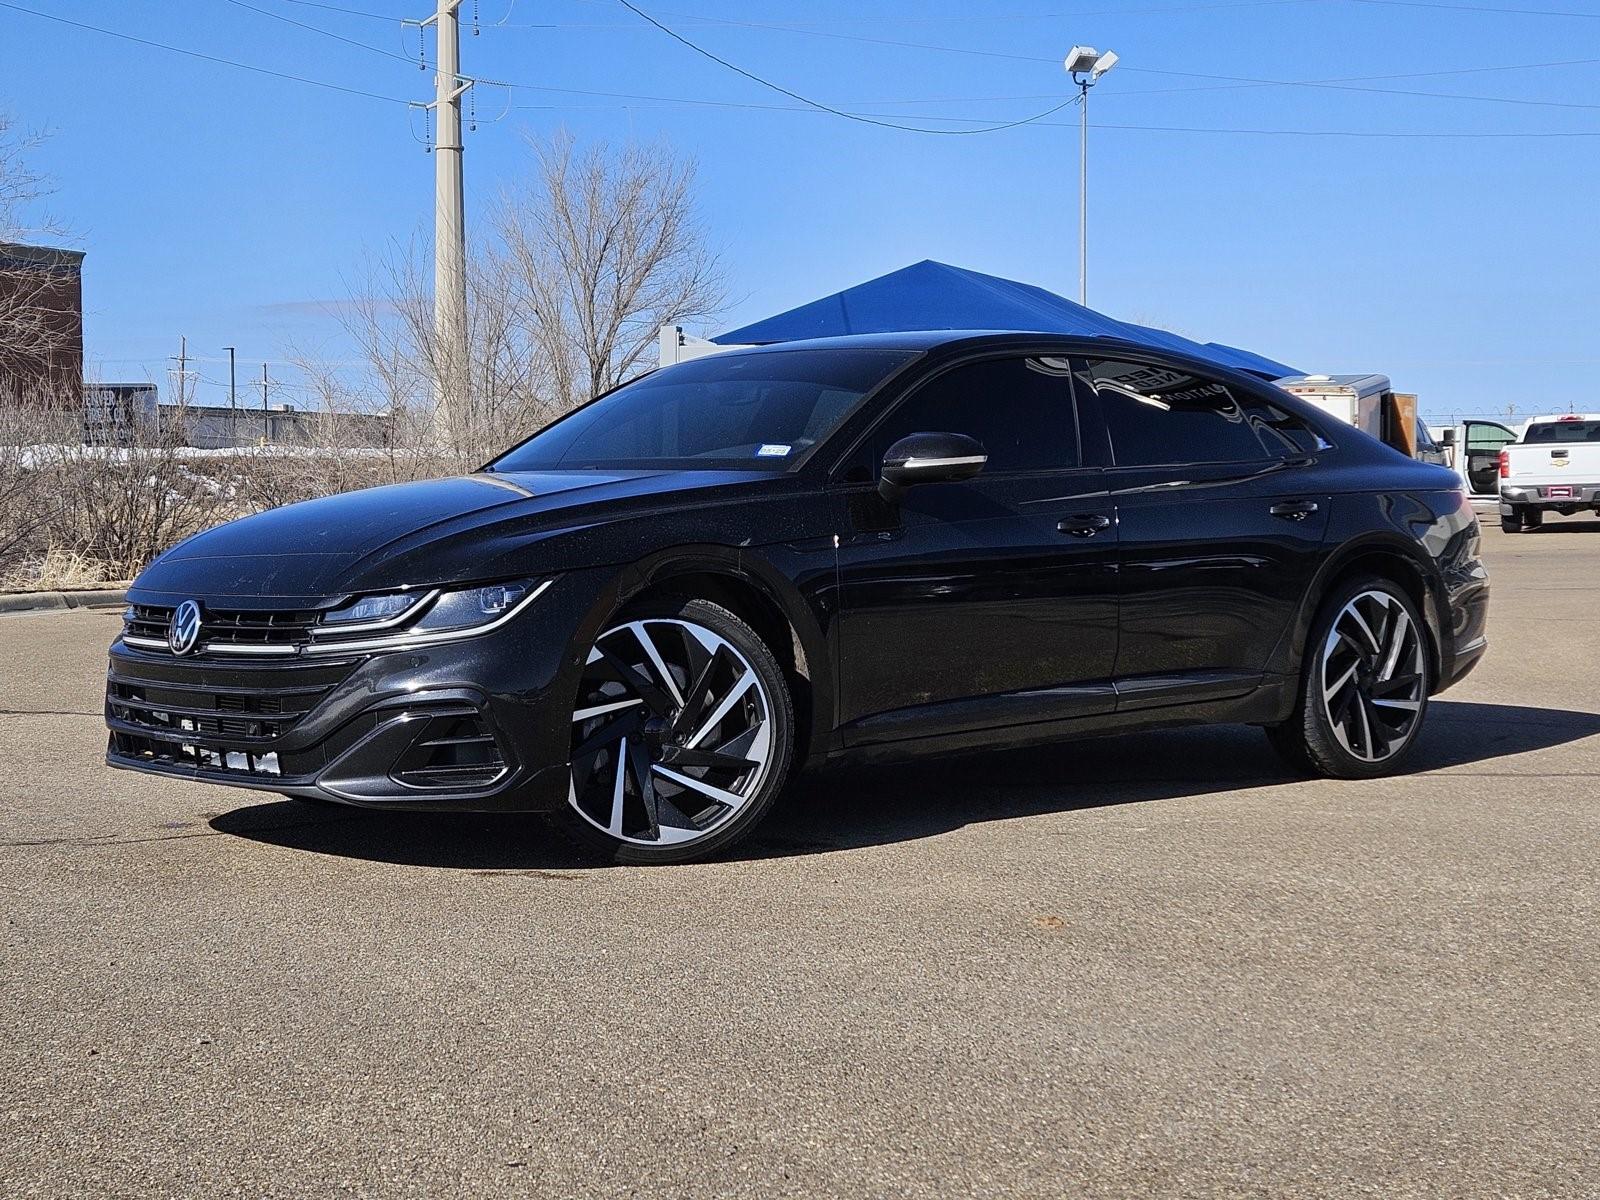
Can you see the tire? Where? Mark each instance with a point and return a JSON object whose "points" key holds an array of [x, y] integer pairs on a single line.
{"points": [[1364, 684], [1532, 518], [682, 735], [1511, 524]]}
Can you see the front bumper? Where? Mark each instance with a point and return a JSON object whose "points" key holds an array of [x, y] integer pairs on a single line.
{"points": [[481, 724]]}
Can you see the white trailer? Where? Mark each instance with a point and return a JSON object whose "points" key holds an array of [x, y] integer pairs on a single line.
{"points": [[1370, 404], [676, 346]]}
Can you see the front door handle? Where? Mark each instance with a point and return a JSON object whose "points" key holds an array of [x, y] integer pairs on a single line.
{"points": [[1083, 525], [1294, 510]]}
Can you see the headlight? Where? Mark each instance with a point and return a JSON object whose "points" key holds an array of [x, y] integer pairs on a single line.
{"points": [[373, 610], [473, 606], [400, 619]]}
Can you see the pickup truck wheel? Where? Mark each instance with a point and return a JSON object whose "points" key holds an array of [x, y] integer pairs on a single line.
{"points": [[1532, 518], [1511, 524], [1364, 684]]}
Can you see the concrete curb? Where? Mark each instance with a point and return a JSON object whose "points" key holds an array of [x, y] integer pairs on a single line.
{"points": [[18, 602]]}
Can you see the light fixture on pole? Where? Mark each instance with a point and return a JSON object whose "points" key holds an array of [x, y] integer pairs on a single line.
{"points": [[1086, 65]]}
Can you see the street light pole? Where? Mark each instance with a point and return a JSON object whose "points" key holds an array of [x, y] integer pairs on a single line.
{"points": [[1085, 64], [1083, 193]]}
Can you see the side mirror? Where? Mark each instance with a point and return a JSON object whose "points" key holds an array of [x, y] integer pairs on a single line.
{"points": [[929, 458], [1447, 436]]}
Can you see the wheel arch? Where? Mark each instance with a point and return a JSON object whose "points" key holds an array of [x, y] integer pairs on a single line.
{"points": [[1387, 557], [760, 595]]}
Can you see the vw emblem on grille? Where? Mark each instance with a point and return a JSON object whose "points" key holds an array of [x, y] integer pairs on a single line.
{"points": [[183, 634]]}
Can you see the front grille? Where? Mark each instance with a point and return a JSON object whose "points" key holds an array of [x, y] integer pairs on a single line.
{"points": [[240, 630], [155, 752], [216, 717], [187, 708]]}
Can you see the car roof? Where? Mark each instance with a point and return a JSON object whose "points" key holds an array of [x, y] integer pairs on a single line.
{"points": [[952, 339], [940, 342]]}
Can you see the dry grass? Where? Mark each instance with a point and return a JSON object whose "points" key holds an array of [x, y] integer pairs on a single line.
{"points": [[58, 570]]}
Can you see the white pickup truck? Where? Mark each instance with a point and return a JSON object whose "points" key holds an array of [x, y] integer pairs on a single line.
{"points": [[1554, 465]]}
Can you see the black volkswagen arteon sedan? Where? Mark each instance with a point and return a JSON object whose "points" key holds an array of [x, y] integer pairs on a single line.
{"points": [[647, 616]]}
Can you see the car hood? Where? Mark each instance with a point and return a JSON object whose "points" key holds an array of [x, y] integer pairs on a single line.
{"points": [[452, 530]]}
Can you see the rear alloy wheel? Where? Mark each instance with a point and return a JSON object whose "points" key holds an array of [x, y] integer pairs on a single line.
{"points": [[1364, 686], [681, 734]]}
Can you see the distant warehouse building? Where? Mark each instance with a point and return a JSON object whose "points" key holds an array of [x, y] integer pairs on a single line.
{"points": [[115, 414], [219, 427], [41, 321]]}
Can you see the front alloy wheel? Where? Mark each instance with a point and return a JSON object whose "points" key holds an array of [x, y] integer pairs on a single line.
{"points": [[680, 734]]}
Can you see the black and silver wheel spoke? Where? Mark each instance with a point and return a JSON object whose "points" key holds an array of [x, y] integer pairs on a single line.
{"points": [[1373, 676], [670, 733]]}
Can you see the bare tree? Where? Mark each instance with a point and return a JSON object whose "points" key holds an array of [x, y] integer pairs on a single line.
{"points": [[21, 187], [599, 251], [33, 331], [567, 287]]}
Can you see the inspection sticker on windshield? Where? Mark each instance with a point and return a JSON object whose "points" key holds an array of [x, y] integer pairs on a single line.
{"points": [[771, 450]]}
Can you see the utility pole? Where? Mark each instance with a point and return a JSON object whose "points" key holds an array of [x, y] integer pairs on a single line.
{"points": [[449, 223], [182, 359], [266, 421], [233, 399]]}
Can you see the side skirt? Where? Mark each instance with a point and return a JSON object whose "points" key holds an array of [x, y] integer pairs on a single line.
{"points": [[1269, 703]]}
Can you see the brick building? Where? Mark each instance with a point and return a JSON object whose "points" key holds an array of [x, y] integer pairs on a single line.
{"points": [[41, 321]]}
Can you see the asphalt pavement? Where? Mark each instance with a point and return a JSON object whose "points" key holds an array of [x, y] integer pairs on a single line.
{"points": [[1151, 965]]}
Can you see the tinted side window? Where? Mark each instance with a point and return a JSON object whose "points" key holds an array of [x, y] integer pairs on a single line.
{"points": [[1021, 409], [1284, 434], [1158, 415]]}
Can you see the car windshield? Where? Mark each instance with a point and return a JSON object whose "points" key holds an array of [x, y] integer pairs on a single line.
{"points": [[758, 411], [1563, 431]]}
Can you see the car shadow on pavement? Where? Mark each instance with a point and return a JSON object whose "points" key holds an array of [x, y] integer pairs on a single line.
{"points": [[850, 808]]}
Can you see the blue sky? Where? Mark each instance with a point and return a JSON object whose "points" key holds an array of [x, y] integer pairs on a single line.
{"points": [[233, 207]]}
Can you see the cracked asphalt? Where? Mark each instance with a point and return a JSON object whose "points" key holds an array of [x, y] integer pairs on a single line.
{"points": [[1152, 965]]}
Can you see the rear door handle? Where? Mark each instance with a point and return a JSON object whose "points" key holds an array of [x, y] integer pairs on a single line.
{"points": [[1294, 510], [1083, 525]]}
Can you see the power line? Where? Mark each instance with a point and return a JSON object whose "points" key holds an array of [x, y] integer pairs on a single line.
{"points": [[327, 33], [1345, 87], [211, 58], [1480, 8], [1448, 135], [700, 20], [1353, 133], [1223, 87], [1232, 81], [828, 108], [351, 12]]}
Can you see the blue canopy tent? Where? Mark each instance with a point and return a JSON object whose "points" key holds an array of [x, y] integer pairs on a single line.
{"points": [[935, 295]]}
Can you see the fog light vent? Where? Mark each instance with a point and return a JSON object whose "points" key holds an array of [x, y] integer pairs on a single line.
{"points": [[451, 754]]}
